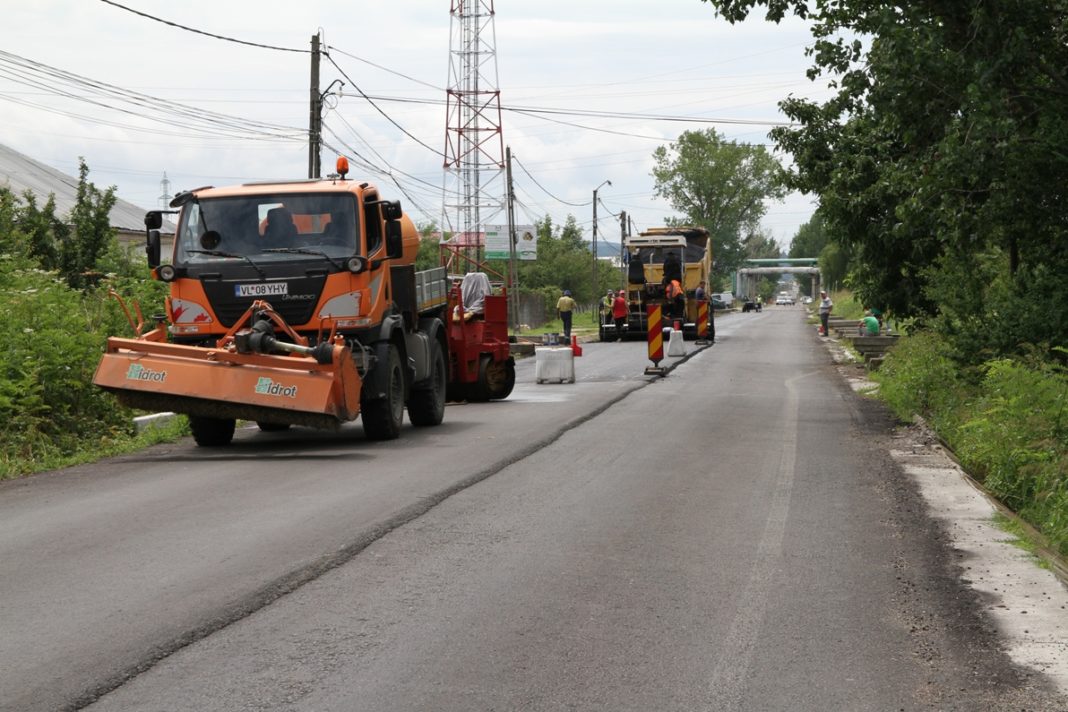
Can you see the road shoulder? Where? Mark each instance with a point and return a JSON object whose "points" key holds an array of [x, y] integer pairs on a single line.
{"points": [[1023, 596]]}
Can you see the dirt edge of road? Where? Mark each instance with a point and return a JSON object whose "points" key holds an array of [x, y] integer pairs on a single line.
{"points": [[1021, 606]]}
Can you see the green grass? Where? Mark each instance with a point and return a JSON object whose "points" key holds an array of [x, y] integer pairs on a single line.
{"points": [[86, 452], [582, 324], [845, 306]]}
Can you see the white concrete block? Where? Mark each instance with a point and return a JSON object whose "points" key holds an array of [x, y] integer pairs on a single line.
{"points": [[676, 344], [554, 363]]}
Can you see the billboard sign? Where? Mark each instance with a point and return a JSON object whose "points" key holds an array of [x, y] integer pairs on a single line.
{"points": [[526, 247]]}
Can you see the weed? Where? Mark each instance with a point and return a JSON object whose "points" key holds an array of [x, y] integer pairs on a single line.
{"points": [[1007, 422]]}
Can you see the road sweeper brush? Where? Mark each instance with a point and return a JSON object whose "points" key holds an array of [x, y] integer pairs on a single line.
{"points": [[251, 374]]}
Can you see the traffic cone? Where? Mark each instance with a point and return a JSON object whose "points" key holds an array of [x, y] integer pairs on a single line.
{"points": [[576, 350]]}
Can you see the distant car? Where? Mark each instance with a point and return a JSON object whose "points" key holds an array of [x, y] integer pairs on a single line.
{"points": [[718, 304], [782, 299], [806, 300]]}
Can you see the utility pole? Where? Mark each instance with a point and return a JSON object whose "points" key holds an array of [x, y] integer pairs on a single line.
{"points": [[595, 285], [622, 249], [315, 120], [513, 272], [596, 292]]}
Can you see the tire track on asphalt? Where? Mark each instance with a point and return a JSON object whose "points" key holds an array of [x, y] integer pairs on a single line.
{"points": [[727, 683]]}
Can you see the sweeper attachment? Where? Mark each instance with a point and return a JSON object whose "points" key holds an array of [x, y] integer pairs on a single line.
{"points": [[259, 370]]}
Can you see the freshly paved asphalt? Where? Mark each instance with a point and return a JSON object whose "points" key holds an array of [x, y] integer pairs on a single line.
{"points": [[734, 536]]}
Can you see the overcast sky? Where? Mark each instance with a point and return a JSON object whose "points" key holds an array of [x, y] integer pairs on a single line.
{"points": [[656, 57]]}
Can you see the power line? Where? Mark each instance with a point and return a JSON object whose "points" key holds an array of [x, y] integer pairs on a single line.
{"points": [[379, 109], [615, 215], [382, 158], [202, 32], [591, 113], [331, 48], [544, 190], [58, 82], [644, 117], [375, 169]]}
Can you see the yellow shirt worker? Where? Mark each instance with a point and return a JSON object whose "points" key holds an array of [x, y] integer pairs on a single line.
{"points": [[565, 306]]}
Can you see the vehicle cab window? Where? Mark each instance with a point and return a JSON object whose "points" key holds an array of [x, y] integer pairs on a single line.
{"points": [[372, 218]]}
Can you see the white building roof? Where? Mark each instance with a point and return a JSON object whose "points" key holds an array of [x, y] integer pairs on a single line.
{"points": [[20, 173]]}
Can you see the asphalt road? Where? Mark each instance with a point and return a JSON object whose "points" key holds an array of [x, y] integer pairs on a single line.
{"points": [[731, 537]]}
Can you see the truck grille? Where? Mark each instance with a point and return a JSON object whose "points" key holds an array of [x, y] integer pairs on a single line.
{"points": [[297, 306]]}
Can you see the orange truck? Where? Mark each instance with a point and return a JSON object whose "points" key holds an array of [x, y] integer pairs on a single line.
{"points": [[298, 303]]}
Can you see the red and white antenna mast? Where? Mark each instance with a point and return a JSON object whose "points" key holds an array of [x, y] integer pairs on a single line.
{"points": [[474, 190]]}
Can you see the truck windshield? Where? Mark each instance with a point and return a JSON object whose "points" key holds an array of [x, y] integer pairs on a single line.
{"points": [[269, 228]]}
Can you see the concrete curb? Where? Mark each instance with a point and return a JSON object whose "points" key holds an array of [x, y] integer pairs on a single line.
{"points": [[146, 421]]}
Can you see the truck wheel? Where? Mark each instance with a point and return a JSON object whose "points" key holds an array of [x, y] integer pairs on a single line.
{"points": [[500, 378], [212, 432], [495, 380], [382, 417], [478, 392], [426, 405]]}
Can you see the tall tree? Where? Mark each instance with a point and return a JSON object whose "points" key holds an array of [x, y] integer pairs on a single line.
{"points": [[92, 232], [945, 147], [810, 238], [760, 245], [721, 185], [564, 261]]}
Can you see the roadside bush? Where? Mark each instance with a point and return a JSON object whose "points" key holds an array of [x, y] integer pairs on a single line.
{"points": [[54, 337], [1008, 425], [1015, 441], [985, 313], [47, 400], [919, 377], [55, 315]]}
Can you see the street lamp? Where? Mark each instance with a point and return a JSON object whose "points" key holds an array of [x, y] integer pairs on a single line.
{"points": [[596, 291]]}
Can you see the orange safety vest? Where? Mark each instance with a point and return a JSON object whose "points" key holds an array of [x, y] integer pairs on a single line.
{"points": [[673, 289]]}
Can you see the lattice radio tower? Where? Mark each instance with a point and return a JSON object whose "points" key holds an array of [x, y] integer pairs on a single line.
{"points": [[474, 190]]}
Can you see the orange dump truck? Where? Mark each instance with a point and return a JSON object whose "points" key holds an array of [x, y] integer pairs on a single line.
{"points": [[298, 303]]}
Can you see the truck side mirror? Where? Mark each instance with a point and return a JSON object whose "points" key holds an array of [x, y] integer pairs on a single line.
{"points": [[152, 247], [153, 220], [394, 240]]}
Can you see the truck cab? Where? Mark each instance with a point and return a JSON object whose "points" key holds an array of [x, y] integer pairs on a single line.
{"points": [[319, 251]]}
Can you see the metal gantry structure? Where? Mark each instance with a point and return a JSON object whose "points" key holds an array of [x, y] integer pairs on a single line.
{"points": [[474, 185]]}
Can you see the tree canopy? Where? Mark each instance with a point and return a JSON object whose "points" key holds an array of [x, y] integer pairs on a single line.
{"points": [[942, 155], [721, 185]]}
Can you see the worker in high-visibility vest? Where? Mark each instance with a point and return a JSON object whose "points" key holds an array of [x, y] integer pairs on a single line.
{"points": [[606, 307], [675, 298]]}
